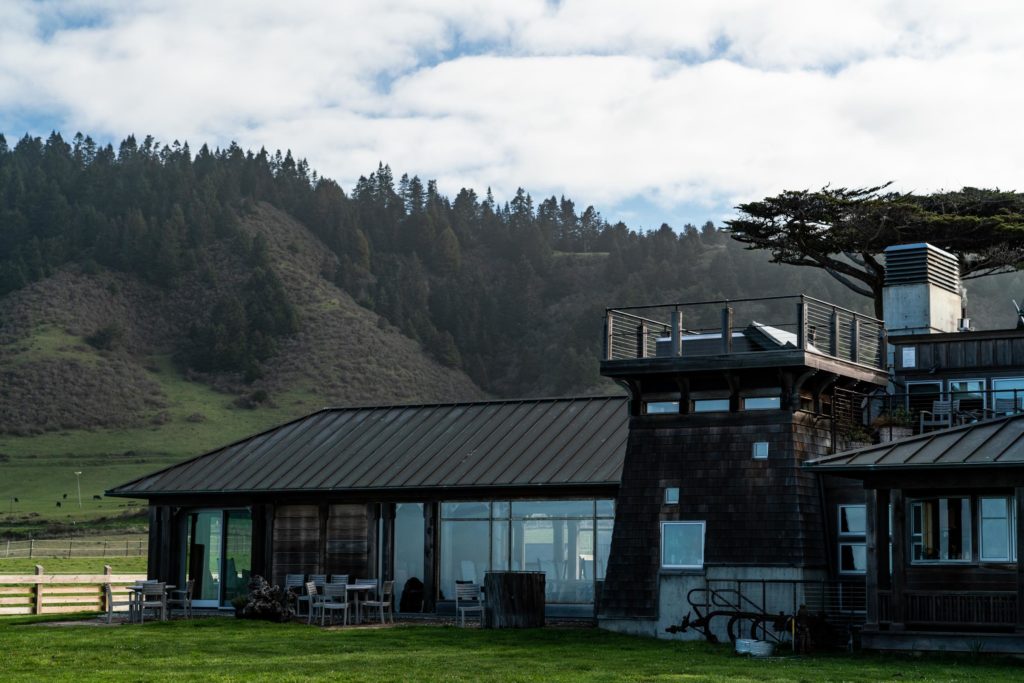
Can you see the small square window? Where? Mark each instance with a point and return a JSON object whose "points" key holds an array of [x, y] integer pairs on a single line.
{"points": [[682, 545], [761, 450], [672, 495], [711, 405], [909, 357]]}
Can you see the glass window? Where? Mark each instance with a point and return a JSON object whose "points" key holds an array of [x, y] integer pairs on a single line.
{"points": [[909, 356], [921, 395], [672, 495], [561, 548], [997, 530], [604, 546], [682, 545], [851, 520], [761, 403], [237, 553], [500, 509], [941, 530], [761, 450], [465, 553], [662, 407], [499, 545], [853, 558], [470, 510], [970, 393], [711, 405], [606, 508], [409, 539], [522, 509], [1010, 394]]}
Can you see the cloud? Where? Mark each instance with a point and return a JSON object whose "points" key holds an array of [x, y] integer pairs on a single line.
{"points": [[679, 104]]}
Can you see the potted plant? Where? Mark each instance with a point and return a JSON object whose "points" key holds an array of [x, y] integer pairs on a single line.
{"points": [[895, 423]]}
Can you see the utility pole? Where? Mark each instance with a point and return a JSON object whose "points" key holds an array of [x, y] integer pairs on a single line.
{"points": [[78, 483]]}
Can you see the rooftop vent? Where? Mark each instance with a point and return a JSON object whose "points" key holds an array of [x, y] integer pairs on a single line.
{"points": [[908, 264]]}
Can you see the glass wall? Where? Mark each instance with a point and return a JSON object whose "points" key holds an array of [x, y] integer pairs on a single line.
{"points": [[237, 553], [409, 531], [568, 540], [218, 555]]}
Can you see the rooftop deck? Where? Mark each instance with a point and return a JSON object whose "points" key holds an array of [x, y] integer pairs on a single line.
{"points": [[741, 333]]}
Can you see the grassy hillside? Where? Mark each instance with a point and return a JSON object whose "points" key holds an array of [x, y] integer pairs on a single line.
{"points": [[117, 413]]}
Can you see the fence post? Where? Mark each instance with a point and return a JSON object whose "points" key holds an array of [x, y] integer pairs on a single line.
{"points": [[104, 548], [103, 591], [727, 330], [801, 324], [609, 335], [70, 541], [31, 546], [37, 593]]}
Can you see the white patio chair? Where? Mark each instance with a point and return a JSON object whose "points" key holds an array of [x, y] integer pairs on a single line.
{"points": [[183, 597], [153, 596], [108, 599], [319, 580], [942, 414], [467, 600], [385, 602], [334, 598], [293, 586]]}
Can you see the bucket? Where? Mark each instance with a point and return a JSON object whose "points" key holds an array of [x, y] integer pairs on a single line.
{"points": [[743, 646], [761, 648]]}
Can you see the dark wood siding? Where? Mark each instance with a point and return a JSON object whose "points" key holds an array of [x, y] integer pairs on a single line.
{"points": [[757, 512], [296, 541], [988, 351], [347, 540]]}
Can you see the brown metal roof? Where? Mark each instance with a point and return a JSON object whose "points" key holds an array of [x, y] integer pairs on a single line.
{"points": [[991, 443], [570, 441]]}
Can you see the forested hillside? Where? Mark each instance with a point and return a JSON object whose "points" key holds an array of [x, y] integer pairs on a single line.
{"points": [[212, 259]]}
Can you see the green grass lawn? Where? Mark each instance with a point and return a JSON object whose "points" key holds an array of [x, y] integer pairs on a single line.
{"points": [[74, 565], [226, 649]]}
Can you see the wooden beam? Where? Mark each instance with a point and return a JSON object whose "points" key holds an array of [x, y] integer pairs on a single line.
{"points": [[388, 514], [899, 559], [1019, 503], [154, 543], [871, 572], [677, 333], [323, 511], [430, 556], [727, 330]]}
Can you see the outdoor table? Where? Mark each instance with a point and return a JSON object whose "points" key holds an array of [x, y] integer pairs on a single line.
{"points": [[355, 589], [135, 611]]}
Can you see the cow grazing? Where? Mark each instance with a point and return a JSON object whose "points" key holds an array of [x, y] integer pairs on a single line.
{"points": [[97, 497], [58, 503], [65, 496]]}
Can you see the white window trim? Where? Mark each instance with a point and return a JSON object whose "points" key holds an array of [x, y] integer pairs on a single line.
{"points": [[908, 353], [839, 521], [969, 549], [703, 530], [843, 544], [753, 450], [984, 389], [994, 391]]}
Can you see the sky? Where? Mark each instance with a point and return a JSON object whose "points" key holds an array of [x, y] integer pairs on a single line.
{"points": [[671, 111]]}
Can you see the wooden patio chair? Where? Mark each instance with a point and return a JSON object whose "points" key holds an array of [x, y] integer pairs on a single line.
{"points": [[384, 602], [153, 596], [1005, 406], [334, 598], [467, 600], [339, 579], [108, 600], [293, 584], [942, 415], [183, 597]]}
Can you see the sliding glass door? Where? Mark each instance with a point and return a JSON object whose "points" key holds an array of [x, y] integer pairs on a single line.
{"points": [[218, 555]]}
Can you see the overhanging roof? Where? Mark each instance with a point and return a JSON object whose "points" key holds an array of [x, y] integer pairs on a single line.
{"points": [[990, 444], [575, 441]]}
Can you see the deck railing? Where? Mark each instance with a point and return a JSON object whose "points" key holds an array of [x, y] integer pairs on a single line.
{"points": [[976, 609], [744, 326]]}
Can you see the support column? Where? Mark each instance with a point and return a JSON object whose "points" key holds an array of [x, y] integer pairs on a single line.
{"points": [[430, 555], [871, 550], [1019, 503], [899, 558], [388, 514], [321, 538]]}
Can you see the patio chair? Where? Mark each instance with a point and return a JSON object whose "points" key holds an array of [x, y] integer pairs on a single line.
{"points": [[372, 591], [467, 599], [293, 584], [334, 598], [153, 596], [1005, 406], [108, 600], [385, 602], [319, 580], [942, 414], [338, 578], [183, 597]]}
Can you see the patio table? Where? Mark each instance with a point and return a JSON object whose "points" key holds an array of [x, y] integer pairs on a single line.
{"points": [[357, 589], [135, 611]]}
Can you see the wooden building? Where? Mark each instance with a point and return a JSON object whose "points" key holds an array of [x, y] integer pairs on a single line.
{"points": [[436, 493]]}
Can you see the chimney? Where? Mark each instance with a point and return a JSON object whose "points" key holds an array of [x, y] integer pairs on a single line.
{"points": [[922, 293]]}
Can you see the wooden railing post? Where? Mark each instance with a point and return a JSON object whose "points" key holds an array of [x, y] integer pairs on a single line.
{"points": [[609, 335], [855, 341], [641, 340], [677, 333], [835, 332], [801, 323], [37, 592], [727, 330], [899, 559]]}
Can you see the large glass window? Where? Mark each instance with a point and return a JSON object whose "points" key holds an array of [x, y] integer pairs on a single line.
{"points": [[409, 538], [997, 530], [682, 545], [761, 403], [921, 395], [218, 554], [662, 407], [711, 405], [941, 530], [237, 553], [568, 540]]}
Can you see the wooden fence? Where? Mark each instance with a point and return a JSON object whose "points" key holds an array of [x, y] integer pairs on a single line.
{"points": [[41, 593], [71, 547]]}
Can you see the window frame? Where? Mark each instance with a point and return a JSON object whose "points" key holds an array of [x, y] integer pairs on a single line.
{"points": [[851, 539], [703, 541], [967, 530], [1011, 530]]}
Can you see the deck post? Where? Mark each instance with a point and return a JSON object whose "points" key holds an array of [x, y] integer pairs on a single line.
{"points": [[37, 592], [855, 340], [641, 340], [677, 333], [609, 335], [430, 558], [835, 332], [727, 330], [1019, 501], [899, 560], [801, 323], [871, 496]]}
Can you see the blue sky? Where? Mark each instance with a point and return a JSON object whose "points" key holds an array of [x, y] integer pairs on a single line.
{"points": [[651, 111]]}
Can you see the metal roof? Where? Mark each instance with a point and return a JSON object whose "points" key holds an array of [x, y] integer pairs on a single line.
{"points": [[570, 441], [990, 443]]}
